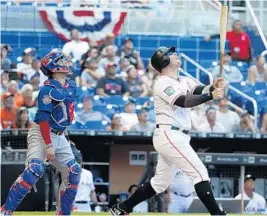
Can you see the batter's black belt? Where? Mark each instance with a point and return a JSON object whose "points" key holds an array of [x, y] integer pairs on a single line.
{"points": [[57, 132], [175, 128], [82, 202], [182, 195]]}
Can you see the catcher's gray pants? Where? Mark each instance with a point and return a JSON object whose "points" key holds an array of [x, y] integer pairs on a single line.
{"points": [[37, 147]]}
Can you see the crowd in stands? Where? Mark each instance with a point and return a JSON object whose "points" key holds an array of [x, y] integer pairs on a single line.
{"points": [[108, 71]]}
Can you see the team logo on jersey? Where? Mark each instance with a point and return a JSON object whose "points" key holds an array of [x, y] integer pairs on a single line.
{"points": [[169, 91], [47, 99]]}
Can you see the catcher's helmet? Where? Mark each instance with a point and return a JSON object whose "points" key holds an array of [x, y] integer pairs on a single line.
{"points": [[160, 58], [56, 62]]}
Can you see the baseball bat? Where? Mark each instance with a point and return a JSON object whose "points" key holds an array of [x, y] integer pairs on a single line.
{"points": [[223, 26]]}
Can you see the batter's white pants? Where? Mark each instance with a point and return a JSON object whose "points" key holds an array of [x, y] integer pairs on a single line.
{"points": [[174, 149], [179, 204]]}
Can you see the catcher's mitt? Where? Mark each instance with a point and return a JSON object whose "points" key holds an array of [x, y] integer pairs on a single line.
{"points": [[77, 154]]}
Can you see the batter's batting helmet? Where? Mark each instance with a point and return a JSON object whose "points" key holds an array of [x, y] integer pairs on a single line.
{"points": [[160, 59], [56, 62]]}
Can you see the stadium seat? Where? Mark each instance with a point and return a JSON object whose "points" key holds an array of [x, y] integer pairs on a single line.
{"points": [[244, 87], [260, 86], [77, 125], [142, 100], [42, 51], [95, 125], [101, 108], [116, 100]]}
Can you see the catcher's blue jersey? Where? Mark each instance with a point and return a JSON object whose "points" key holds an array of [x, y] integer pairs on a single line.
{"points": [[56, 104]]}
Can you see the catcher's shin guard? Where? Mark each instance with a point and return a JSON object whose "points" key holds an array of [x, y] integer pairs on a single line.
{"points": [[22, 186], [67, 194]]}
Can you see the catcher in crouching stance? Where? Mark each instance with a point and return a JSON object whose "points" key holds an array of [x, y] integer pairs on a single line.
{"points": [[46, 138]]}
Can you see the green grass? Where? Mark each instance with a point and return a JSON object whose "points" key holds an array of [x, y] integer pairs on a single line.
{"points": [[106, 213]]}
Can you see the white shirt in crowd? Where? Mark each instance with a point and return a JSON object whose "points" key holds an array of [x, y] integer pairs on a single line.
{"points": [[198, 116], [166, 91], [256, 204], [229, 120], [26, 69], [218, 128], [77, 48], [148, 126], [85, 187], [128, 120]]}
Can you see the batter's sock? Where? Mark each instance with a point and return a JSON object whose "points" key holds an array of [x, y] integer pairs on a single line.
{"points": [[205, 194], [144, 192]]}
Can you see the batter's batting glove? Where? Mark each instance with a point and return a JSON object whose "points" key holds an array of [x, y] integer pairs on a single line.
{"points": [[77, 154]]}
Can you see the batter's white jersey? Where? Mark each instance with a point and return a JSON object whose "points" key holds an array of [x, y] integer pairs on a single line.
{"points": [[85, 187], [166, 91], [257, 204]]}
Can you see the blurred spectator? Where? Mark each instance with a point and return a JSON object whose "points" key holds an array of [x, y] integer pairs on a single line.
{"points": [[129, 117], [91, 73], [258, 72], [141, 207], [212, 125], [128, 51], [76, 46], [264, 123], [198, 117], [180, 192], [124, 64], [110, 57], [110, 84], [37, 74], [22, 119], [230, 73], [91, 53], [5, 62], [35, 82], [4, 81], [86, 192], [88, 114], [32, 111], [143, 125], [246, 124], [240, 46], [257, 203], [209, 104], [226, 117], [136, 87], [13, 89], [27, 94], [110, 38], [25, 67], [8, 113], [149, 77], [116, 124]]}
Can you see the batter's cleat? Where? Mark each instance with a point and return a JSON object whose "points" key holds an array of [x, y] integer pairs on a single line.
{"points": [[222, 213], [116, 211], [5, 212]]}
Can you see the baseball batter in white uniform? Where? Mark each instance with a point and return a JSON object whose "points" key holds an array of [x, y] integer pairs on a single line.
{"points": [[180, 192], [174, 95], [86, 192]]}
